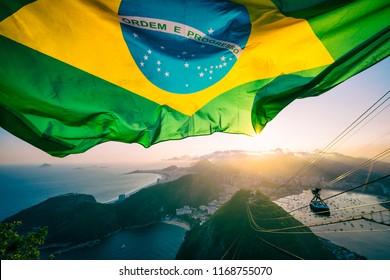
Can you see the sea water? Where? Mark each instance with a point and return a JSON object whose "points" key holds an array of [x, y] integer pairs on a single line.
{"points": [[158, 241], [347, 228], [22, 186]]}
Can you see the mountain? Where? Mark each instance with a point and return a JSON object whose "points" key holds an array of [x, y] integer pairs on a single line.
{"points": [[272, 171], [282, 163], [150, 204], [77, 218], [71, 219], [170, 168], [242, 229], [202, 166]]}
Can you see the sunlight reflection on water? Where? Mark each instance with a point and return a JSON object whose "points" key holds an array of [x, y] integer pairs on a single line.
{"points": [[367, 238]]}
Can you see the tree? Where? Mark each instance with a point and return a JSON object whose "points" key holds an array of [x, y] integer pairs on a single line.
{"points": [[15, 246]]}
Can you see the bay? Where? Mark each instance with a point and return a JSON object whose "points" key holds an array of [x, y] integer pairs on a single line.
{"points": [[22, 186], [347, 228], [158, 241]]}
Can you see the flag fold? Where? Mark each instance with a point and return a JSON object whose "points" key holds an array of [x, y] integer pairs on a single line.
{"points": [[74, 74]]}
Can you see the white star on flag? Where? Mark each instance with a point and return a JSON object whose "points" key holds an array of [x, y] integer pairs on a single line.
{"points": [[151, 61]]}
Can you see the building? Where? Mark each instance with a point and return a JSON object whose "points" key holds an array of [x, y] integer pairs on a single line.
{"points": [[183, 211], [211, 209]]}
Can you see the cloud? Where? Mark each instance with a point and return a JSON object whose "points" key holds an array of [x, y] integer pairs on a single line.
{"points": [[181, 158], [214, 155], [241, 154]]}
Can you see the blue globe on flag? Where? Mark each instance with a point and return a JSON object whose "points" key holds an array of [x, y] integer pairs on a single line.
{"points": [[184, 46]]}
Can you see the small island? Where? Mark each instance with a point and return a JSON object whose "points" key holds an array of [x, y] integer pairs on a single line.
{"points": [[204, 200]]}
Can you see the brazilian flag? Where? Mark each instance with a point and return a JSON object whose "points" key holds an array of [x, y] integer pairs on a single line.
{"points": [[77, 73]]}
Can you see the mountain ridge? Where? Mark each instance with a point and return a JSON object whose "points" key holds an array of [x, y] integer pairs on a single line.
{"points": [[230, 234]]}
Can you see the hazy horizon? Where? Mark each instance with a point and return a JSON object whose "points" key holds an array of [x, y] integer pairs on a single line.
{"points": [[306, 125]]}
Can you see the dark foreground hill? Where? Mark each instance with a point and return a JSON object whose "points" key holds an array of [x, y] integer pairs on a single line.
{"points": [[77, 218], [238, 230], [71, 219], [241, 229]]}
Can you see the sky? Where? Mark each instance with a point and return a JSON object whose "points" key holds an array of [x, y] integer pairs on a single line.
{"points": [[305, 125]]}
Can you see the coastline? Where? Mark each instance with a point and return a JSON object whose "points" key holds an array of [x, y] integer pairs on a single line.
{"points": [[160, 178], [133, 191], [164, 177], [59, 249], [181, 224]]}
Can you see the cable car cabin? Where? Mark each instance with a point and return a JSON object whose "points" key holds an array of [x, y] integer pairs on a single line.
{"points": [[317, 205]]}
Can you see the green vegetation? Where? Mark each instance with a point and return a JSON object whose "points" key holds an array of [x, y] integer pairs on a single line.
{"points": [[248, 226], [14, 246], [71, 219], [152, 203], [232, 234], [77, 218]]}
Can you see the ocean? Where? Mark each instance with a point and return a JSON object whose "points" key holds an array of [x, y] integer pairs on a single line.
{"points": [[22, 186]]}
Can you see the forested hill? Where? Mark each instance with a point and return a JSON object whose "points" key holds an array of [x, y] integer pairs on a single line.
{"points": [[245, 227], [77, 218], [241, 230]]}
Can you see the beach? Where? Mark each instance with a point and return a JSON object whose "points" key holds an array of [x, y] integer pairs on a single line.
{"points": [[181, 224], [133, 191]]}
